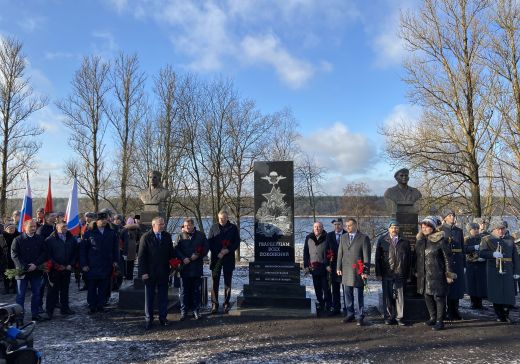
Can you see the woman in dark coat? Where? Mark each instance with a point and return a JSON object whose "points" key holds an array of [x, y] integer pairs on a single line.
{"points": [[475, 275], [9, 234], [433, 271]]}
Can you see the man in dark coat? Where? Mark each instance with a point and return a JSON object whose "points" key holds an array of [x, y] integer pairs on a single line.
{"points": [[223, 239], [392, 268], [155, 252], [191, 248], [45, 230], [130, 236], [475, 275], [315, 261], [455, 238], [99, 254], [28, 253], [333, 241], [62, 250], [9, 234], [433, 271], [353, 256], [503, 268]]}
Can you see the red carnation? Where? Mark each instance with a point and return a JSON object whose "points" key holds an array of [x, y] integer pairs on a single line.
{"points": [[175, 263], [199, 250], [330, 255], [360, 266], [226, 243], [48, 265]]}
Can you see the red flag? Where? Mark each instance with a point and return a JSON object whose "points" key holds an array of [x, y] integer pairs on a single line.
{"points": [[48, 202]]}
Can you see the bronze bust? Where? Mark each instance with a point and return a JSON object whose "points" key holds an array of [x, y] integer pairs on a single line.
{"points": [[155, 196], [401, 197]]}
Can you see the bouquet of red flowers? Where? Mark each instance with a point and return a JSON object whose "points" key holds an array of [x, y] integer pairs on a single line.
{"points": [[218, 265], [175, 265], [360, 270], [330, 258], [15, 272], [199, 250]]}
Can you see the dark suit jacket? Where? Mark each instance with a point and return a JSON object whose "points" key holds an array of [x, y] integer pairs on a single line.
{"points": [[154, 256]]}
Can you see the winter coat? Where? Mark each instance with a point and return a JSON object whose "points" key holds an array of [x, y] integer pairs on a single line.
{"points": [[130, 236], [218, 234], [455, 238], [154, 256], [26, 250], [62, 252], [392, 261], [333, 243], [315, 253], [3, 253], [349, 252], [99, 252], [475, 276], [45, 230], [9, 238], [500, 287], [186, 246], [433, 265]]}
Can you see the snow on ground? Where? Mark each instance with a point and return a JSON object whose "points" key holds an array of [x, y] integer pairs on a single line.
{"points": [[119, 337]]}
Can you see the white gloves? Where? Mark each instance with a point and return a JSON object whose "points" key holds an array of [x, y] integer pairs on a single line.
{"points": [[516, 276], [497, 255], [477, 247]]}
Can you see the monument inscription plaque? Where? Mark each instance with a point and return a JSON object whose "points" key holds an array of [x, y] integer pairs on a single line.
{"points": [[274, 277]]}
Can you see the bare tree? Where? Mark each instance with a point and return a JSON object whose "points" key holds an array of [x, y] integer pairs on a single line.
{"points": [[248, 134], [85, 116], [451, 141], [125, 115], [308, 176], [283, 137], [17, 103]]}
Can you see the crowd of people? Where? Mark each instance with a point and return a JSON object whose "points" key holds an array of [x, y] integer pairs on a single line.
{"points": [[442, 266], [45, 255]]}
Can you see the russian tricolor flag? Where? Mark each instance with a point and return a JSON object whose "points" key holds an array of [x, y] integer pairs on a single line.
{"points": [[26, 212], [72, 215]]}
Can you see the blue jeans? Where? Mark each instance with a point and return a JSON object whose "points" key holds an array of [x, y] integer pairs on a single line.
{"points": [[190, 294], [349, 296], [36, 282], [149, 298]]}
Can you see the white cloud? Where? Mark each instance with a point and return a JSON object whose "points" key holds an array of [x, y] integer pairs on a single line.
{"points": [[31, 23], [58, 55], [403, 113], [267, 49], [119, 5], [107, 45], [218, 33], [339, 150]]}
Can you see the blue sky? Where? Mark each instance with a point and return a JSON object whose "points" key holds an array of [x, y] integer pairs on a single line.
{"points": [[335, 63]]}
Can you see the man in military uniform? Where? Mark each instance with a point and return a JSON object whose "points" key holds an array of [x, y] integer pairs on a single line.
{"points": [[475, 275], [333, 241], [455, 238], [503, 268]]}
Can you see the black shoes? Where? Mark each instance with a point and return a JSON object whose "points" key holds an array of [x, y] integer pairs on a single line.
{"points": [[348, 319], [164, 322], [38, 318], [439, 325], [148, 325], [430, 322], [400, 322], [360, 322], [67, 312], [196, 315], [183, 316], [214, 309], [227, 307]]}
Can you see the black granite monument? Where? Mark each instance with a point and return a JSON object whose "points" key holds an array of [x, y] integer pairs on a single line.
{"points": [[274, 277]]}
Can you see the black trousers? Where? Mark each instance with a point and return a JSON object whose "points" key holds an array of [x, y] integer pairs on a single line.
{"points": [[321, 289], [336, 295], [129, 271], [227, 287], [436, 306], [190, 294], [476, 302], [59, 290], [502, 311], [453, 307]]}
